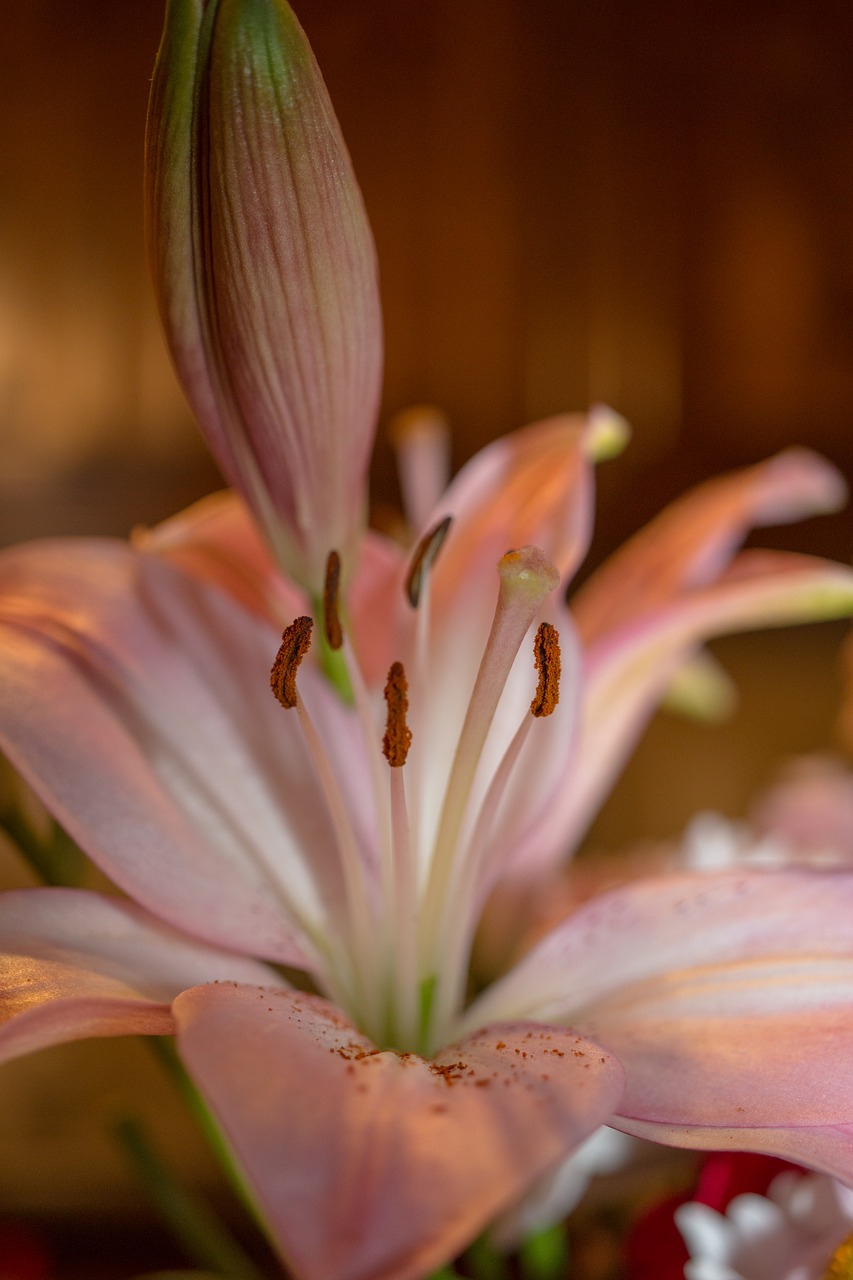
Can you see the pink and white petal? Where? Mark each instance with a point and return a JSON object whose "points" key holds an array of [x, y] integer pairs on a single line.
{"points": [[45, 1002], [691, 541], [827, 1148], [650, 934], [533, 487], [372, 603], [374, 1165], [117, 939], [627, 674], [218, 540], [136, 702], [753, 1042], [75, 964]]}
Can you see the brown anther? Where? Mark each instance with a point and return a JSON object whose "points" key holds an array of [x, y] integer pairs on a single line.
{"points": [[422, 561], [546, 650], [331, 616], [295, 643], [398, 735]]}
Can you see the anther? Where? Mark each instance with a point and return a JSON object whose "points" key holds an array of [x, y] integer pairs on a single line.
{"points": [[422, 561], [295, 643], [398, 735], [331, 616], [546, 650]]}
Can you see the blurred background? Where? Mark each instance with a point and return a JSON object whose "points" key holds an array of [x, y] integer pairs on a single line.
{"points": [[649, 204]]}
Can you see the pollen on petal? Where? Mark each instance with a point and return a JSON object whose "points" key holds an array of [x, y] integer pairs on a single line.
{"points": [[424, 558], [398, 735], [331, 589], [295, 643], [546, 650]]}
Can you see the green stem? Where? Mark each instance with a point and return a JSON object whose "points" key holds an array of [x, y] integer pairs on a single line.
{"points": [[191, 1220], [56, 860], [165, 1050]]}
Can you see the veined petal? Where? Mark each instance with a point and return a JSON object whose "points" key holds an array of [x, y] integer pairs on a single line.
{"points": [[827, 1148], [727, 998], [753, 1042], [628, 672], [646, 931], [693, 539], [77, 964], [185, 782], [217, 539], [374, 1165], [265, 270], [533, 487]]}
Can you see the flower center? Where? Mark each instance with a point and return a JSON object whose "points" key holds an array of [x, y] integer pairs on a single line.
{"points": [[398, 955]]}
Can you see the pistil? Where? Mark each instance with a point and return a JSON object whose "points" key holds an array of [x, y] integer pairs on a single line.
{"points": [[526, 579]]}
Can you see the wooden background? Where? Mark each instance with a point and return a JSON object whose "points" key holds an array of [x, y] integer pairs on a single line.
{"points": [[646, 203]]}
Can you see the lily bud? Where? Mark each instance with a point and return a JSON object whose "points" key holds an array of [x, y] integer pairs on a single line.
{"points": [[265, 270]]}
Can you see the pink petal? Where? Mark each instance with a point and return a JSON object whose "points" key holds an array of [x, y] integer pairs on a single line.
{"points": [[689, 543], [656, 926], [77, 964], [727, 998], [373, 1165], [137, 703], [629, 671], [534, 487], [531, 488], [218, 540], [46, 1002], [827, 1148]]}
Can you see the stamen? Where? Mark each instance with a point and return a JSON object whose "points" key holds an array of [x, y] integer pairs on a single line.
{"points": [[546, 649], [398, 735], [424, 558], [295, 643], [331, 616], [421, 439]]}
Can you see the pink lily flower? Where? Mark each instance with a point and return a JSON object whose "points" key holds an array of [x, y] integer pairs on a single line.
{"points": [[382, 1119]]}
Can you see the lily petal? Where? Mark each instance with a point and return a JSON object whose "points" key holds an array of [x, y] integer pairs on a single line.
{"points": [[265, 270], [77, 964], [656, 926], [727, 998], [628, 673], [205, 794], [692, 540], [531, 488], [388, 1164], [826, 1148], [217, 539]]}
